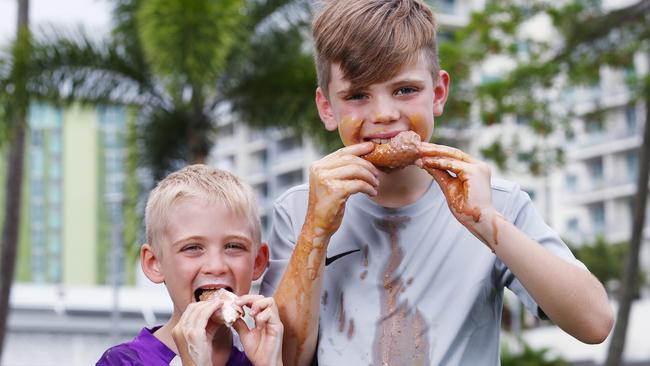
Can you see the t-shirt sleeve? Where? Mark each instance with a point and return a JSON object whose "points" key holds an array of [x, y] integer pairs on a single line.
{"points": [[120, 355], [522, 213], [282, 240]]}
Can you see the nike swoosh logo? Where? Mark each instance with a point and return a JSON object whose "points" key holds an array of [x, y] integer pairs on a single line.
{"points": [[329, 260]]}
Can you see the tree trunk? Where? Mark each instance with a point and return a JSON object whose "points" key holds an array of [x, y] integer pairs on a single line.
{"points": [[13, 187], [629, 282]]}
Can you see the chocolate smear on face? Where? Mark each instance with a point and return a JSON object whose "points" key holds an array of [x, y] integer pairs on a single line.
{"points": [[401, 337]]}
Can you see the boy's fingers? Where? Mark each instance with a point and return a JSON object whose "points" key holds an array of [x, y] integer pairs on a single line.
{"points": [[240, 327], [262, 304], [356, 149], [355, 186], [337, 161], [263, 318], [428, 150], [248, 299], [458, 167], [198, 314], [351, 172]]}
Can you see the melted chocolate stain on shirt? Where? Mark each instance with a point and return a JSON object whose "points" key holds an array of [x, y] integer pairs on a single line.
{"points": [[342, 316], [401, 337]]}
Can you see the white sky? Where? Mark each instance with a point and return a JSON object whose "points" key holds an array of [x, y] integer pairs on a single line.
{"points": [[94, 15]]}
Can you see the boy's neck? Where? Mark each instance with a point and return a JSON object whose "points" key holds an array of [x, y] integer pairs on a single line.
{"points": [[221, 345], [402, 187]]}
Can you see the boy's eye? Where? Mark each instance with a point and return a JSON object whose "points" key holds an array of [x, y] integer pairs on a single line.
{"points": [[235, 246], [405, 90], [355, 96], [191, 248]]}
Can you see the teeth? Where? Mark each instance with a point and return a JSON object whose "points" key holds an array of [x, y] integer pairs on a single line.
{"points": [[380, 141]]}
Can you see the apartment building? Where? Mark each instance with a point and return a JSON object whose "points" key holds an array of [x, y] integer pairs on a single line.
{"points": [[73, 189], [600, 179]]}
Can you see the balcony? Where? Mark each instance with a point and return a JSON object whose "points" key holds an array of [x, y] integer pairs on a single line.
{"points": [[601, 190], [605, 142]]}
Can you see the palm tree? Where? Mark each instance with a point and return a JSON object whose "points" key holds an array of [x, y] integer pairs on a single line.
{"points": [[16, 103], [177, 61]]}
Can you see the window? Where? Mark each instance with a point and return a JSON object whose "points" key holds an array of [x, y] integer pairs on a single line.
{"points": [[573, 225], [596, 170], [445, 6], [54, 221], [226, 163], [571, 182], [37, 137], [597, 213], [630, 117], [289, 143], [37, 163], [226, 131], [522, 120], [258, 161], [262, 191], [55, 140], [594, 126], [289, 179], [632, 160]]}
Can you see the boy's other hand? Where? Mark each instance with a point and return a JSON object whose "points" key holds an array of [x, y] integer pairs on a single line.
{"points": [[333, 179], [262, 344], [194, 332], [465, 182]]}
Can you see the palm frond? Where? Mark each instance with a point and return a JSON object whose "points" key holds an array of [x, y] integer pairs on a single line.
{"points": [[72, 65]]}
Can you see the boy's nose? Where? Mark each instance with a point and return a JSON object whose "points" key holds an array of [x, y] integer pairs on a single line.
{"points": [[385, 112], [214, 264]]}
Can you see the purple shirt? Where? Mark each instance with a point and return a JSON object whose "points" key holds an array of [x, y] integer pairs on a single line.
{"points": [[145, 349]]}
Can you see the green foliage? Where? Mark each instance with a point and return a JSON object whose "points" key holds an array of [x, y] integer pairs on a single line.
{"points": [[188, 41], [529, 357]]}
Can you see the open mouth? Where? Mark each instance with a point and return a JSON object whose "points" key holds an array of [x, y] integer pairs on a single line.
{"points": [[202, 294], [376, 141]]}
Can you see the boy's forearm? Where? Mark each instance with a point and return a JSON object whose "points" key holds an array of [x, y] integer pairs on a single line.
{"points": [[298, 296], [570, 296]]}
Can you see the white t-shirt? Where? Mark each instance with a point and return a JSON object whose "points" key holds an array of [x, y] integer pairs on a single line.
{"points": [[418, 288]]}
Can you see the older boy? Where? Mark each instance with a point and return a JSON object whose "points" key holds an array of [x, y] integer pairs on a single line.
{"points": [[203, 234], [417, 256]]}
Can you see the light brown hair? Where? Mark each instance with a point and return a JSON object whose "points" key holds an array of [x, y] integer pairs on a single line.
{"points": [[372, 39], [208, 184]]}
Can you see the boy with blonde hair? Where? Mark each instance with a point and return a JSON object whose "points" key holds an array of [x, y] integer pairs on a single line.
{"points": [[203, 243], [398, 250]]}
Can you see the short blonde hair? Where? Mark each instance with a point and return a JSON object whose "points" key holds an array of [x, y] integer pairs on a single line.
{"points": [[372, 39], [208, 184]]}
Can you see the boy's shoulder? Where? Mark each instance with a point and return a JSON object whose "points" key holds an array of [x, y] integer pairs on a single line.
{"points": [[144, 349], [298, 192], [504, 185]]}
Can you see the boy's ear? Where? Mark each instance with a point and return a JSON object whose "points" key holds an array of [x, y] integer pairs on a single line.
{"points": [[261, 261], [150, 264], [440, 93], [325, 110]]}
